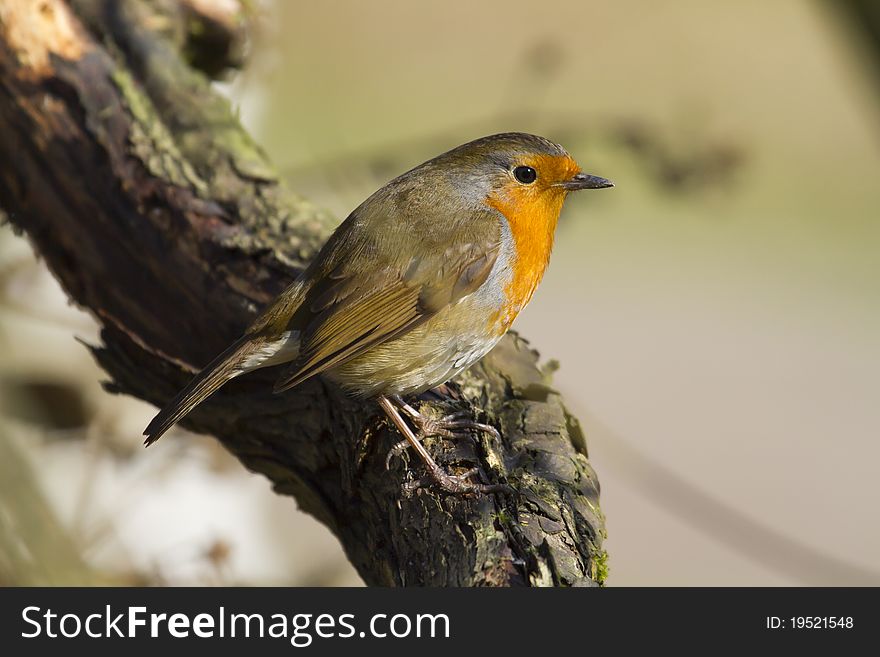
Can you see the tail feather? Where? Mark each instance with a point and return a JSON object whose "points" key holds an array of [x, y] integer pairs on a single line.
{"points": [[229, 364]]}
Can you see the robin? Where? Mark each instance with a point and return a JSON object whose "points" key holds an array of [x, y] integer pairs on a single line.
{"points": [[417, 284]]}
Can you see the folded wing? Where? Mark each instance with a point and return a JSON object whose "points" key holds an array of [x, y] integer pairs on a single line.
{"points": [[345, 314]]}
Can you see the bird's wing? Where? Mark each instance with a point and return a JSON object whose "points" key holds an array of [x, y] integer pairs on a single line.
{"points": [[346, 312]]}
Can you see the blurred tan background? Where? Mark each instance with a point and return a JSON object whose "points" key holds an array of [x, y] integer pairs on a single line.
{"points": [[716, 316]]}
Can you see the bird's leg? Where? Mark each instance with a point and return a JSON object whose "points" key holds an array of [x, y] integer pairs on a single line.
{"points": [[450, 483], [403, 445], [453, 426]]}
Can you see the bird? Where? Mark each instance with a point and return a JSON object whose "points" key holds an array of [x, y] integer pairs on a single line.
{"points": [[418, 283]]}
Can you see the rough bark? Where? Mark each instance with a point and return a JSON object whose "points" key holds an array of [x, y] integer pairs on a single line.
{"points": [[158, 213]]}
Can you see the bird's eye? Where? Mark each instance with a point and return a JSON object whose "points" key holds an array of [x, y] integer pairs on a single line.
{"points": [[526, 175]]}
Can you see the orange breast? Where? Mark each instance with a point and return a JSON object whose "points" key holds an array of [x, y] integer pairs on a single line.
{"points": [[532, 212]]}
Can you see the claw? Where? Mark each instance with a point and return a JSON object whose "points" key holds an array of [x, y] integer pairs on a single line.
{"points": [[396, 450], [450, 426]]}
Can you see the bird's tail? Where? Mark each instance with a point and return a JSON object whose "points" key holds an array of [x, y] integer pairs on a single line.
{"points": [[239, 358]]}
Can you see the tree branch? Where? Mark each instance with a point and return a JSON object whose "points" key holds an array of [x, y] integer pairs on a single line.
{"points": [[158, 213]]}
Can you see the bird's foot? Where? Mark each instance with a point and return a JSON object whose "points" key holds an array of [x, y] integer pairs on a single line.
{"points": [[451, 427], [455, 484], [454, 427], [395, 451]]}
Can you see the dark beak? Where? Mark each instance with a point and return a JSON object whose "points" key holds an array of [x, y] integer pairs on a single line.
{"points": [[586, 181]]}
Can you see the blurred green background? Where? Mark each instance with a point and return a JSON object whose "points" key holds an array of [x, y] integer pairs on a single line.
{"points": [[716, 316]]}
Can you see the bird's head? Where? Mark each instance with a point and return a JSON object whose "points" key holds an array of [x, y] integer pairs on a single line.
{"points": [[523, 176]]}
